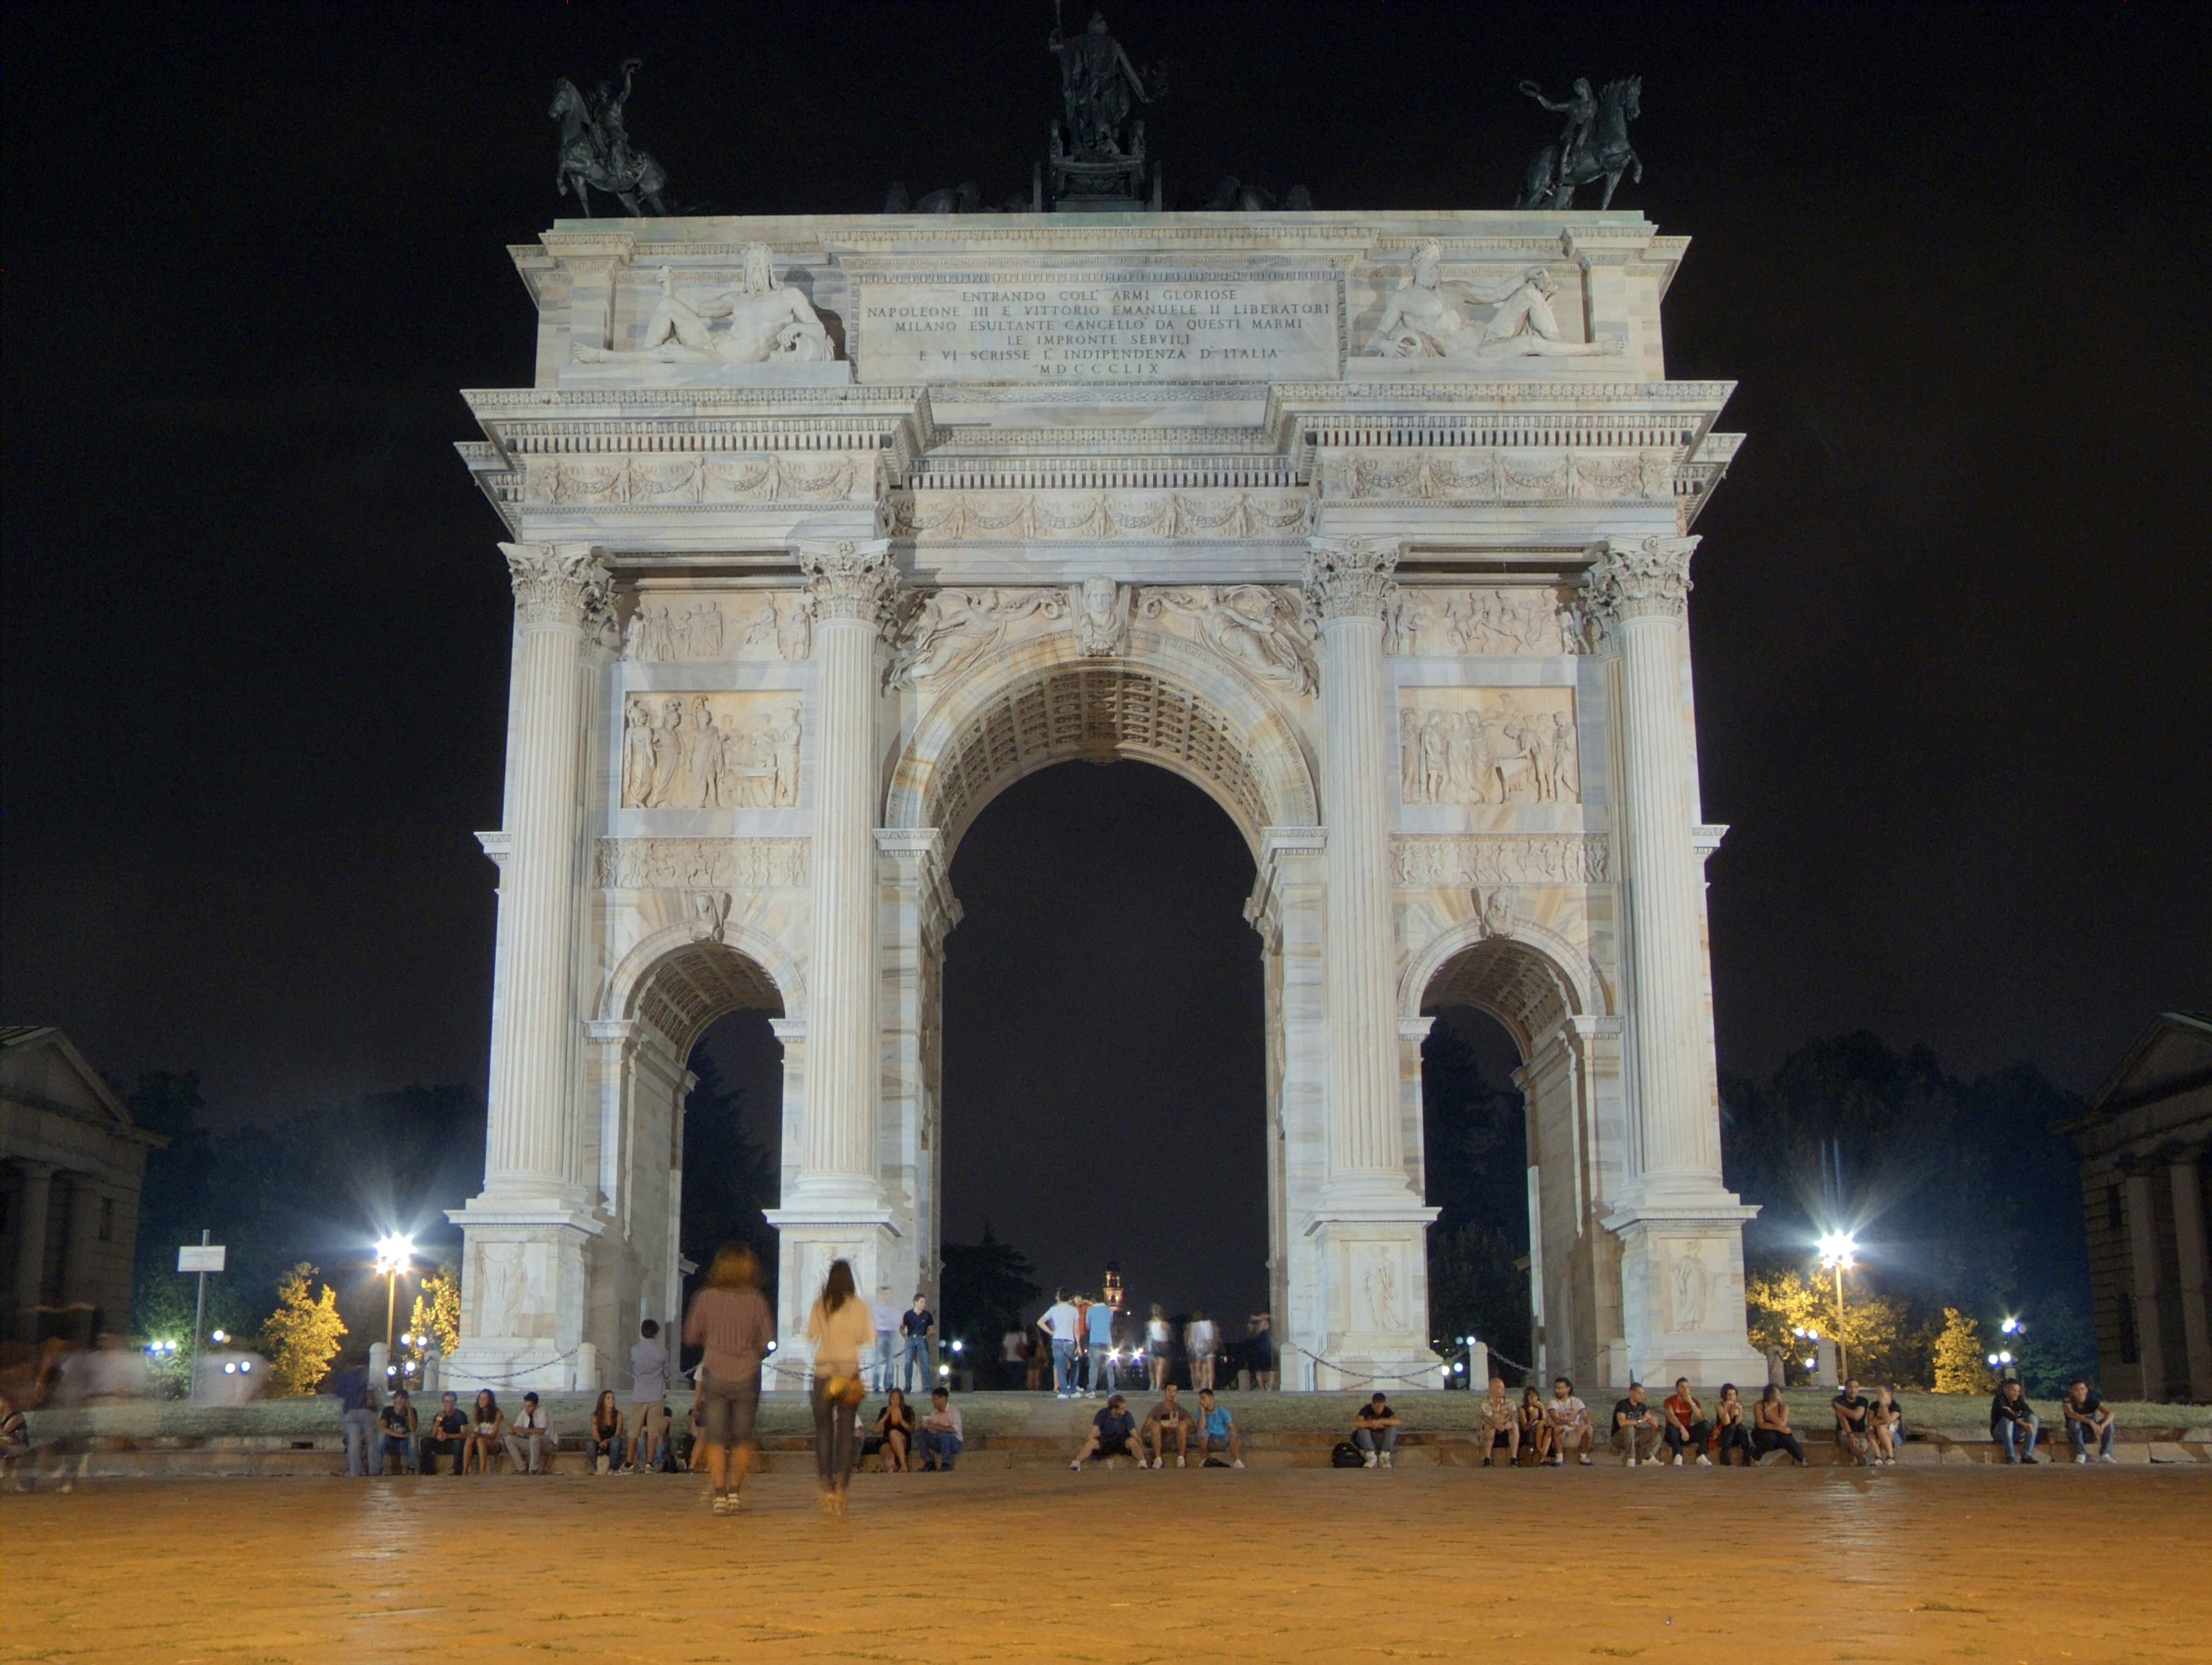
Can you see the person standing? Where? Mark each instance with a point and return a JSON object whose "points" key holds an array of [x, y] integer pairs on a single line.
{"points": [[1098, 1335], [885, 1312], [1261, 1327], [1013, 1356], [2087, 1418], [1203, 1341], [730, 1320], [1063, 1324], [839, 1327], [356, 1412], [648, 1398], [1157, 1339], [917, 1324]]}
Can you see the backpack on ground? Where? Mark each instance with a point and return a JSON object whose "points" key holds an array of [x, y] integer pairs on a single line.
{"points": [[1346, 1455]]}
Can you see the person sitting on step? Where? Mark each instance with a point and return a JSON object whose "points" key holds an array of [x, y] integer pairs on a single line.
{"points": [[1500, 1425], [2087, 1418], [1635, 1426], [1570, 1423], [1375, 1431], [1685, 1425], [1216, 1432], [941, 1433], [1770, 1429], [1168, 1419]]}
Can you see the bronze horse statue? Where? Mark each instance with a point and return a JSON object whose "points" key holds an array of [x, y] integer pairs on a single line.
{"points": [[595, 150], [1606, 155]]}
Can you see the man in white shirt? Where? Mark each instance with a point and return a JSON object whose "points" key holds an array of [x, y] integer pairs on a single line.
{"points": [[1064, 1325], [886, 1315], [648, 1398], [1570, 1423], [529, 1438]]}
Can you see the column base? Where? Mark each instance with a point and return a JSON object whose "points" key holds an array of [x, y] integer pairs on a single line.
{"points": [[812, 1232], [1681, 1291], [526, 1296], [1373, 1277]]}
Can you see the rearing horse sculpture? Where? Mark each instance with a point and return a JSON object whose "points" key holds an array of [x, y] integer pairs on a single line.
{"points": [[1604, 155], [595, 152]]}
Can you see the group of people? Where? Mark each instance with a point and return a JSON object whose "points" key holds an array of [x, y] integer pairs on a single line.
{"points": [[1077, 1334]]}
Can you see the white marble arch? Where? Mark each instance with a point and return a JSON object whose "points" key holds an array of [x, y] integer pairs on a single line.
{"points": [[661, 996], [1545, 993], [1270, 782]]}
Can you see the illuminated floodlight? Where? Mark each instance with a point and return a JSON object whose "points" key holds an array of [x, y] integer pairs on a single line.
{"points": [[1810, 1364], [1837, 1248], [2011, 1327], [771, 1347], [230, 1369], [394, 1253], [944, 1369], [1993, 1359], [246, 1367], [959, 1347], [219, 1335]]}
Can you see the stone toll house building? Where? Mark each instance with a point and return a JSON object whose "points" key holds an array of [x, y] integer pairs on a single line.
{"points": [[1375, 527]]}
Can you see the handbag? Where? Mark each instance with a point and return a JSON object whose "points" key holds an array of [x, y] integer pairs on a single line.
{"points": [[846, 1390]]}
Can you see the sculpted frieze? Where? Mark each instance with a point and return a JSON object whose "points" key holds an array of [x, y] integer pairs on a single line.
{"points": [[697, 864], [1261, 630], [759, 625], [1455, 623], [1488, 746], [617, 479], [710, 751], [1468, 860], [1500, 476], [1042, 516], [948, 630]]}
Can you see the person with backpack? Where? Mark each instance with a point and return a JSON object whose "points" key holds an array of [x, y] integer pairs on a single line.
{"points": [[1375, 1431]]}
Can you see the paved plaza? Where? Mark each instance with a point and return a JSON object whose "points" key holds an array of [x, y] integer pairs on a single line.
{"points": [[1424, 1562]]}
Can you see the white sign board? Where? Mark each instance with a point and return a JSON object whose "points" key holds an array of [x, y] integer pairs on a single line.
{"points": [[200, 1258], [1092, 326]]}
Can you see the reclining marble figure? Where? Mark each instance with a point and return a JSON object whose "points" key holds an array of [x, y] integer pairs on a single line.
{"points": [[767, 321], [1425, 320]]}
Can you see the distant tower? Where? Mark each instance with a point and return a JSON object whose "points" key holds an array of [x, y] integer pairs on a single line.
{"points": [[1113, 1284]]}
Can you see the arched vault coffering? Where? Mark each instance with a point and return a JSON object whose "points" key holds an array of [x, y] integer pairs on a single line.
{"points": [[1043, 703], [678, 984], [1530, 982]]}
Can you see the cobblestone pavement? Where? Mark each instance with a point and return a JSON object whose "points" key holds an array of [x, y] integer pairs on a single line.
{"points": [[2049, 1563]]}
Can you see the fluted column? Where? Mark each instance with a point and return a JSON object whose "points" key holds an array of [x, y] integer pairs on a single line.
{"points": [[533, 1146], [1347, 582], [852, 585], [1640, 591]]}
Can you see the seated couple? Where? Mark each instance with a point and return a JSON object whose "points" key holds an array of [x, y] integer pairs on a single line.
{"points": [[938, 1438]]}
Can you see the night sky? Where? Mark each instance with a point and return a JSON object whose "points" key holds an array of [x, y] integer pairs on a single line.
{"points": [[1950, 621]]}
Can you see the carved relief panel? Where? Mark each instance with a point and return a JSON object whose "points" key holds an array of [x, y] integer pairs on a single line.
{"points": [[711, 751], [1498, 746], [1456, 623], [749, 625]]}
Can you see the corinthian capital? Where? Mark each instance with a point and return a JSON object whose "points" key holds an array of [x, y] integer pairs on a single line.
{"points": [[1350, 578], [848, 579], [1640, 578], [556, 585]]}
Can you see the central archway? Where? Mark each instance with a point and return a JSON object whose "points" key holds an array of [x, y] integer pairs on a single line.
{"points": [[1164, 702]]}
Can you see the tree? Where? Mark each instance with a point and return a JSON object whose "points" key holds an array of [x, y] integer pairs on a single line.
{"points": [[983, 1289], [1882, 1343], [303, 1333], [1478, 1287], [1961, 1365], [437, 1309], [2057, 1346]]}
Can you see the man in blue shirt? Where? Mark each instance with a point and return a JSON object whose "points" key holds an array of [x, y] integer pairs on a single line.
{"points": [[356, 1412], [917, 1324], [1216, 1432], [1111, 1430], [1098, 1321]]}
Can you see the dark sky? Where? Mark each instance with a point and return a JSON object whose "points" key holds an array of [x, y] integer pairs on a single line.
{"points": [[1952, 604]]}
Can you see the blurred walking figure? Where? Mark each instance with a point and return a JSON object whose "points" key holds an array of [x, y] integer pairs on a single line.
{"points": [[886, 1315], [730, 1320], [839, 1328], [15, 1442], [1203, 1341], [1158, 1339], [1260, 1328]]}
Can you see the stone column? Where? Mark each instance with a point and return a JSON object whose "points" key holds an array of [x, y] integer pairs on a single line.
{"points": [[526, 1269], [834, 1206], [36, 1183], [1369, 1227], [80, 1249], [1347, 584], [2188, 1242], [1681, 1231], [533, 1145], [2144, 1257]]}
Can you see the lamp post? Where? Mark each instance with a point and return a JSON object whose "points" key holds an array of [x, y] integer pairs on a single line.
{"points": [[394, 1254], [1837, 1249]]}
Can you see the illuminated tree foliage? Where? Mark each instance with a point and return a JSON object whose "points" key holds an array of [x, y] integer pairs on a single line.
{"points": [[303, 1335], [1881, 1341], [1961, 1360], [437, 1309]]}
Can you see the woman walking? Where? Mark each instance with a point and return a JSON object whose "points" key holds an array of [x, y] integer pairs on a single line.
{"points": [[1157, 1339], [839, 1327], [730, 1320]]}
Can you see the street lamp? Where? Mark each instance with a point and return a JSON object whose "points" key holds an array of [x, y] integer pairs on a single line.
{"points": [[1837, 1249], [394, 1254]]}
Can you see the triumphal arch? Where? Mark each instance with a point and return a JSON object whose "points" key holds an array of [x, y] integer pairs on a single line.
{"points": [[824, 531]]}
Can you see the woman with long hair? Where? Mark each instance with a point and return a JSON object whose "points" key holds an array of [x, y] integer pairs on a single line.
{"points": [[605, 1440], [730, 1320], [1770, 1429], [1158, 1338], [839, 1326], [894, 1433], [1731, 1432], [487, 1427], [1535, 1427]]}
